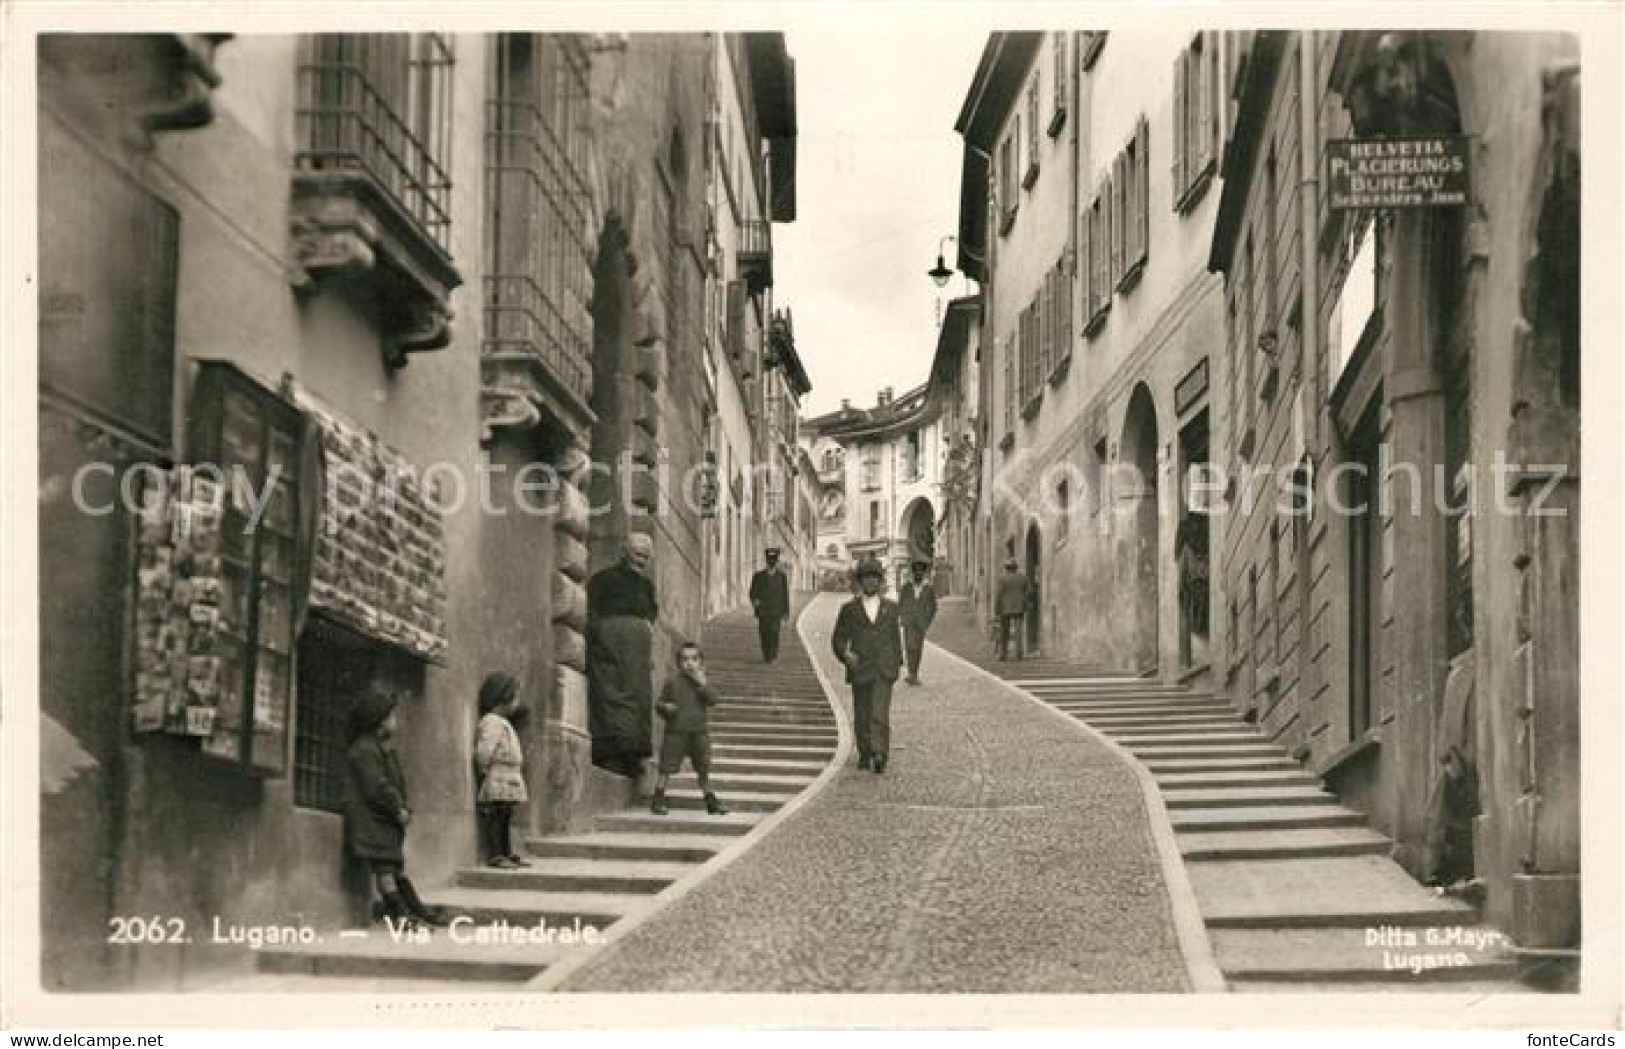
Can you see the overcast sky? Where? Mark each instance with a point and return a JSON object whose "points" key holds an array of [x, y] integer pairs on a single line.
{"points": [[877, 183]]}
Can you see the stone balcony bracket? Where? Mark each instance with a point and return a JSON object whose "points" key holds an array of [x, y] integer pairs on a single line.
{"points": [[352, 238]]}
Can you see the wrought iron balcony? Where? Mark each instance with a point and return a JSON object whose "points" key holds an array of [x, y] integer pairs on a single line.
{"points": [[371, 198], [756, 254], [523, 325]]}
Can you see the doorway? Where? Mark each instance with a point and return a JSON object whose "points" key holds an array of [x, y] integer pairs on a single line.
{"points": [[1138, 500]]}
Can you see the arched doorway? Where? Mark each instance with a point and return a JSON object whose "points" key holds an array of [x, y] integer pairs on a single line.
{"points": [[1137, 509], [1035, 599]]}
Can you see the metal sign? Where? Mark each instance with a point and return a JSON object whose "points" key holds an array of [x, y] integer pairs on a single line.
{"points": [[1430, 172]]}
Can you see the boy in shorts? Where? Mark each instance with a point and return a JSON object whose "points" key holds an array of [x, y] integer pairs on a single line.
{"points": [[684, 704]]}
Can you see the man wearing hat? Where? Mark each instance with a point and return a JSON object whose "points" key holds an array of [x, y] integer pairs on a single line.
{"points": [[917, 604], [868, 640], [770, 597], [1011, 606]]}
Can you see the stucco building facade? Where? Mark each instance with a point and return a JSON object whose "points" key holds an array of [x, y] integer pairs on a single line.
{"points": [[1086, 211], [1412, 628], [463, 267]]}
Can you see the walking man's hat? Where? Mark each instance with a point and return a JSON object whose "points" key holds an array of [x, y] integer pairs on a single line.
{"points": [[870, 566]]}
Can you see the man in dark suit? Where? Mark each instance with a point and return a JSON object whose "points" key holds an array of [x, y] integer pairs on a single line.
{"points": [[770, 597], [917, 605], [868, 639], [1011, 605]]}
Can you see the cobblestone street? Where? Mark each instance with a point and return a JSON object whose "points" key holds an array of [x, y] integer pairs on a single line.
{"points": [[996, 854]]}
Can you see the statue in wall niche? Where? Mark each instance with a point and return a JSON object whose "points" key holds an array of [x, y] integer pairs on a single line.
{"points": [[622, 607]]}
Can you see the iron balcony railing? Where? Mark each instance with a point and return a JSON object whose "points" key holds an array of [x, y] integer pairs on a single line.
{"points": [[368, 105], [522, 320], [538, 249]]}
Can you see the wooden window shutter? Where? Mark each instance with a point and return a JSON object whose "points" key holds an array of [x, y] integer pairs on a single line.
{"points": [[1142, 191], [1085, 258], [1202, 70], [1177, 137], [1117, 219], [1215, 79]]}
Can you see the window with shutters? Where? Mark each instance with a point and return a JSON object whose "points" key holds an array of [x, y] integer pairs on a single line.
{"points": [[1063, 81], [1061, 353], [1031, 174], [1007, 180], [1046, 330], [1009, 386], [1132, 244], [871, 467], [1197, 119], [1027, 357], [1097, 260]]}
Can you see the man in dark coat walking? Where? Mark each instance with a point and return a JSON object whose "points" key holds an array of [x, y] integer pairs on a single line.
{"points": [[770, 597], [1012, 609], [621, 611], [917, 605], [868, 640]]}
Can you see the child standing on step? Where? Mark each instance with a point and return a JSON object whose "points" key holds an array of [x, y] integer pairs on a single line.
{"points": [[685, 702], [375, 809], [499, 764]]}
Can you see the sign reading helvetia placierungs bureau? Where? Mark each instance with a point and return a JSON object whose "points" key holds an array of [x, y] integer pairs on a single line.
{"points": [[1430, 172]]}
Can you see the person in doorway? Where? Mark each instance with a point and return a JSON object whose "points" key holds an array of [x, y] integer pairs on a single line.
{"points": [[499, 764], [376, 812], [917, 606], [770, 597], [622, 607], [1011, 605], [868, 640], [685, 704]]}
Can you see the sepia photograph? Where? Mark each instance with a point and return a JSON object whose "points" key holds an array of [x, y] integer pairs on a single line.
{"points": [[925, 505]]}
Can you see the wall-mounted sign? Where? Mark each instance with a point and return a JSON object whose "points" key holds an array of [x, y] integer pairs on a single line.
{"points": [[1191, 387], [1430, 172]]}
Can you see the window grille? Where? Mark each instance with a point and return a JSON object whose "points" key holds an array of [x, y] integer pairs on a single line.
{"points": [[538, 236], [379, 105]]}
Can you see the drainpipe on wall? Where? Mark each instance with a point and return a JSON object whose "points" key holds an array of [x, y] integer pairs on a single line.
{"points": [[1308, 232]]}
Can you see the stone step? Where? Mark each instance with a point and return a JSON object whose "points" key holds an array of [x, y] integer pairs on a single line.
{"points": [[527, 907], [775, 735], [730, 726], [641, 821], [1245, 797], [1179, 763], [1091, 710], [1204, 780], [1265, 818], [1344, 891], [566, 874], [1182, 733], [764, 767], [608, 845], [1159, 749], [1332, 953], [759, 750], [1282, 844], [733, 800], [1470, 990], [1242, 737], [438, 958], [776, 706], [776, 718], [1189, 722], [750, 784]]}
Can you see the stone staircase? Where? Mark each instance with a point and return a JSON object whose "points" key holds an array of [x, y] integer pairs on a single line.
{"points": [[772, 735], [1297, 891]]}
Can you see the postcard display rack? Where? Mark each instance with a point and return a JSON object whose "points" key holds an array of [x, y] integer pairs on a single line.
{"points": [[219, 560], [215, 606]]}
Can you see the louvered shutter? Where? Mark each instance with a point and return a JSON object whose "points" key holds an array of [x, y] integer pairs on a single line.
{"points": [[1142, 191], [1118, 225], [1177, 163], [1207, 93]]}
